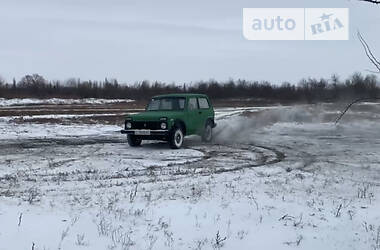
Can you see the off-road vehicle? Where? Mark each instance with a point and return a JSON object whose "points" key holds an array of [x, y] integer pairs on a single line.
{"points": [[170, 118]]}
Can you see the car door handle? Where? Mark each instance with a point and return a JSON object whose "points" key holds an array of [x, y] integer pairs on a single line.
{"points": [[200, 112]]}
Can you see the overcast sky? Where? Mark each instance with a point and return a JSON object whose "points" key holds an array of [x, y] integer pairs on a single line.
{"points": [[179, 41]]}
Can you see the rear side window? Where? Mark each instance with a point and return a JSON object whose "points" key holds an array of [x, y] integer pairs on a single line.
{"points": [[193, 104], [203, 103]]}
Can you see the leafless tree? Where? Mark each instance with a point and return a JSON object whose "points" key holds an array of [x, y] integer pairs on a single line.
{"points": [[369, 53], [2, 81], [34, 80], [371, 1]]}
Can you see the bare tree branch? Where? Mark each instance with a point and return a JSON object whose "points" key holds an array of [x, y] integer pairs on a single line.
{"points": [[352, 103], [371, 1], [368, 49], [369, 53]]}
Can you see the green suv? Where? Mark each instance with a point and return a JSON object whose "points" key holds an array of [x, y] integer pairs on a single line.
{"points": [[170, 118]]}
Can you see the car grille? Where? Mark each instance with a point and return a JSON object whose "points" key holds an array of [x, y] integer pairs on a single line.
{"points": [[154, 125]]}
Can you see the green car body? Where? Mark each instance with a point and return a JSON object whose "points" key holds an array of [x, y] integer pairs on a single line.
{"points": [[192, 114]]}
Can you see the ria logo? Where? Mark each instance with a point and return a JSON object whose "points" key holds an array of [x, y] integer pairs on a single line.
{"points": [[295, 24], [328, 23]]}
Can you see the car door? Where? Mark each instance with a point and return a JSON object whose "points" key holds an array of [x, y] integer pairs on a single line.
{"points": [[193, 116], [204, 111]]}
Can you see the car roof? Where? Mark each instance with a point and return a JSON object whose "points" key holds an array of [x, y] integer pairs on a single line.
{"points": [[180, 95]]}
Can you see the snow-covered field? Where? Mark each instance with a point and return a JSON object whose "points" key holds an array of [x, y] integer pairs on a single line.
{"points": [[57, 101], [275, 178]]}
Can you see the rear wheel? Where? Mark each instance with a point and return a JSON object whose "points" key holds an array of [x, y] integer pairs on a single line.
{"points": [[207, 132], [134, 141], [176, 138]]}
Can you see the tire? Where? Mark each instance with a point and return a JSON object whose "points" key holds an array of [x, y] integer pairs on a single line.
{"points": [[134, 141], [176, 138], [207, 132]]}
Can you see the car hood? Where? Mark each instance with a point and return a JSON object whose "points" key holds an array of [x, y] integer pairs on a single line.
{"points": [[154, 115]]}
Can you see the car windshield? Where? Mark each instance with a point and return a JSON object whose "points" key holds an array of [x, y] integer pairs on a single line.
{"points": [[166, 103]]}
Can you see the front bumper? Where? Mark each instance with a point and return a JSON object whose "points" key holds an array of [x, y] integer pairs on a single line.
{"points": [[145, 132]]}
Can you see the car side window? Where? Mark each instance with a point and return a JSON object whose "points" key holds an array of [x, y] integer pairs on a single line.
{"points": [[181, 103], [193, 104], [203, 103], [166, 104]]}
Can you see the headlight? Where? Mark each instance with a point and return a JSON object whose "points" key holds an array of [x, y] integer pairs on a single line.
{"points": [[163, 125], [128, 125]]}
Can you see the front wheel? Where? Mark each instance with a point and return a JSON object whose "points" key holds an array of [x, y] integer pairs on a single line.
{"points": [[207, 132], [176, 138], [134, 141]]}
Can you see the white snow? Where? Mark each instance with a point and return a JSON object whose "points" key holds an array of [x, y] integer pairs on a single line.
{"points": [[26, 118], [34, 101], [23, 131]]}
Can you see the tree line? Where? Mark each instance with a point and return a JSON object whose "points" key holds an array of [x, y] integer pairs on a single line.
{"points": [[306, 90]]}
